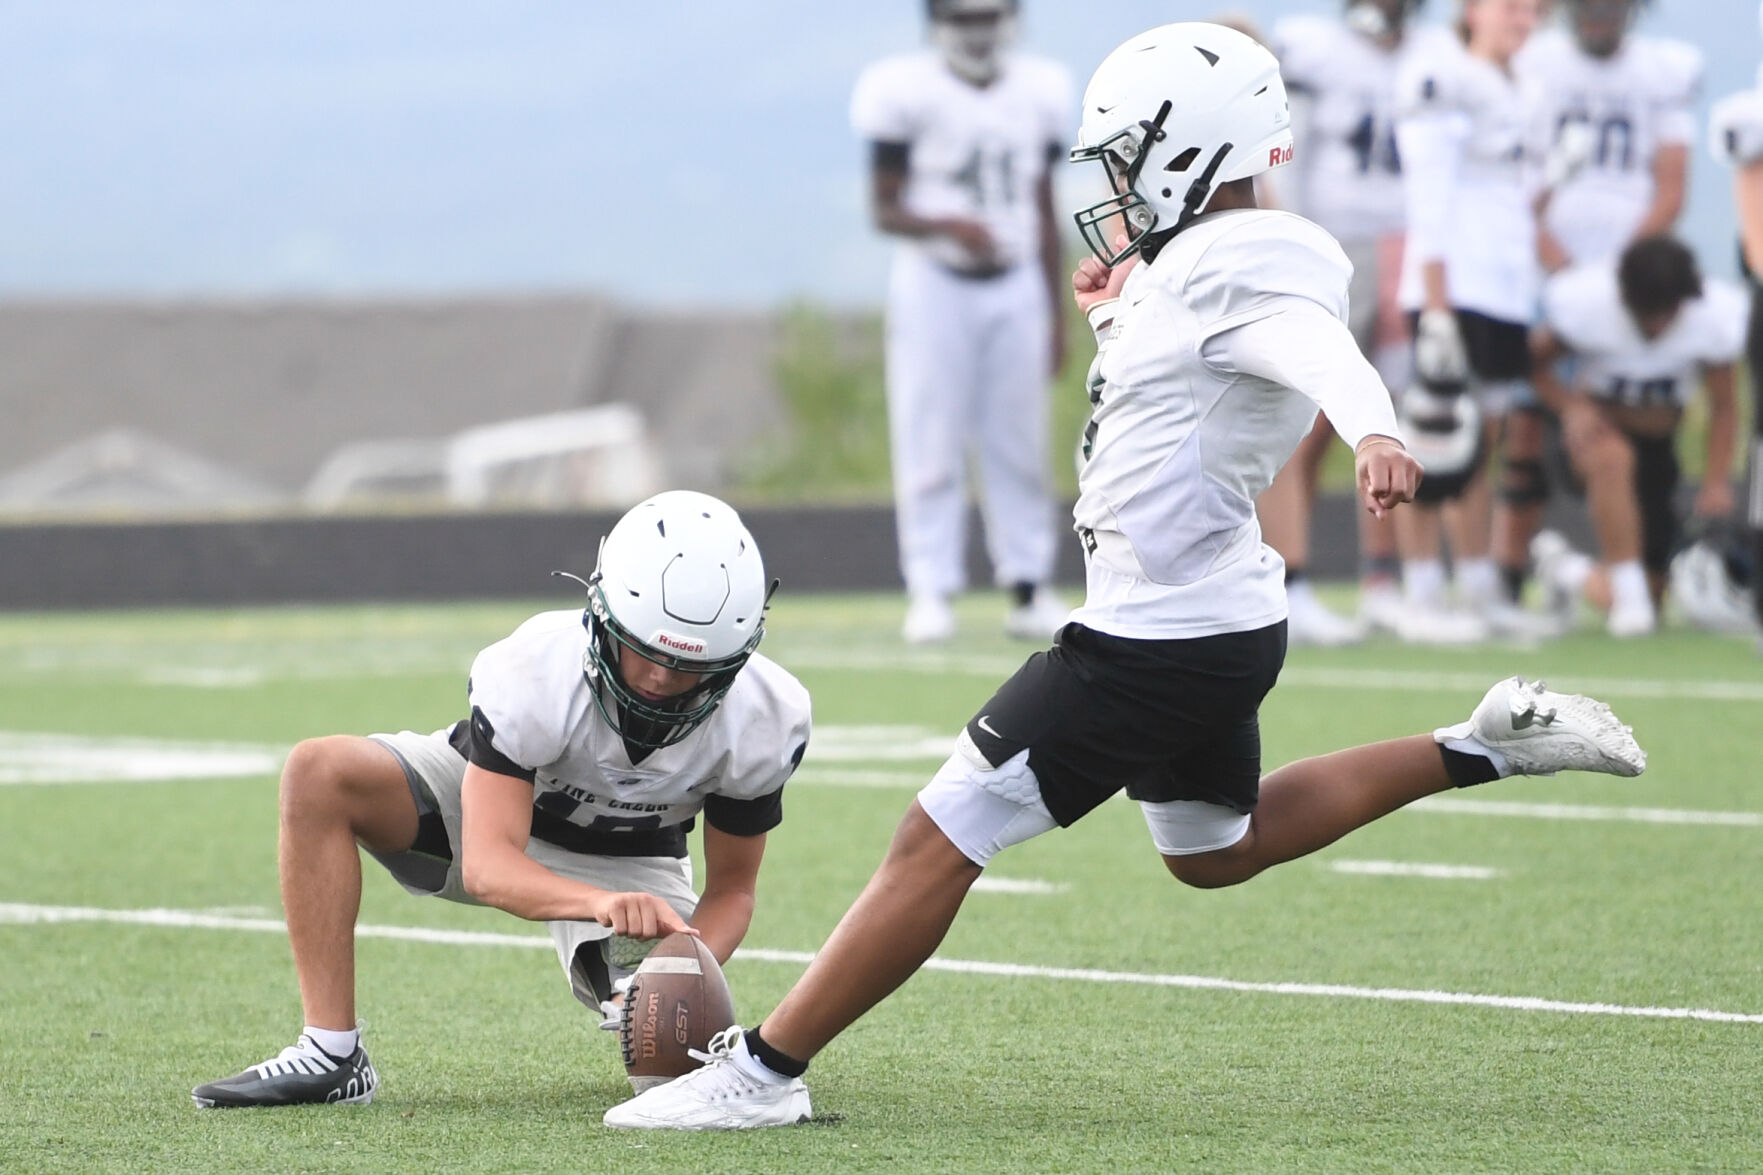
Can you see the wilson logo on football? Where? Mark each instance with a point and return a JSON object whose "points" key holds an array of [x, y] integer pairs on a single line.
{"points": [[680, 644], [1279, 155]]}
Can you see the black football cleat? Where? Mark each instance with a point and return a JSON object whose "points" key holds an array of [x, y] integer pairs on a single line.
{"points": [[303, 1074]]}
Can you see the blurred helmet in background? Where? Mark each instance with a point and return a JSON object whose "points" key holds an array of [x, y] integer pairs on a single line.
{"points": [[973, 34]]}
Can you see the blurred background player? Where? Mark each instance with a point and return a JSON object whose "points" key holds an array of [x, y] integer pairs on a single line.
{"points": [[962, 138], [1644, 332], [1470, 278], [1347, 177], [1618, 110], [1737, 134], [594, 741]]}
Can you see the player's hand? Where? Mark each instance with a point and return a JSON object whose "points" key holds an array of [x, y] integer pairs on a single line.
{"points": [[1552, 253], [1387, 473], [974, 237], [640, 915], [1093, 282], [1714, 499], [1439, 354]]}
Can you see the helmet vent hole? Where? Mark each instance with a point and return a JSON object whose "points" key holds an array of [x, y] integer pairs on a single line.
{"points": [[661, 526], [1183, 161], [1261, 91], [1211, 57]]}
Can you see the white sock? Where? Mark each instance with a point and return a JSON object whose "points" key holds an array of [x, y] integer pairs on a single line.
{"points": [[753, 1067], [337, 1044], [1571, 572], [1423, 581], [1478, 580], [1628, 586]]}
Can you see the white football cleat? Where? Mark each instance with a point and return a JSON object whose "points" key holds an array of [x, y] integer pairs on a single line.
{"points": [[1540, 732], [719, 1096], [1561, 571], [1380, 607], [1309, 622], [1632, 619], [1512, 622], [929, 621], [1037, 620]]}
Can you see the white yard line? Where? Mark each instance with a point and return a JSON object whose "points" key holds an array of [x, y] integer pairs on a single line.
{"points": [[1415, 869], [17, 913], [1451, 805], [32, 758], [1018, 885], [1299, 676]]}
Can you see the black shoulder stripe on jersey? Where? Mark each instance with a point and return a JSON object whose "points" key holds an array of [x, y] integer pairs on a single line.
{"points": [[885, 155], [481, 749], [745, 817]]}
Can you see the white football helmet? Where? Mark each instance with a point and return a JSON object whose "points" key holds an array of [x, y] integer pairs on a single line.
{"points": [[680, 582], [973, 34], [1172, 114]]}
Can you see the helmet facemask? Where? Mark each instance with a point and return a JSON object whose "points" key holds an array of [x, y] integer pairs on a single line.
{"points": [[1124, 155], [647, 724]]}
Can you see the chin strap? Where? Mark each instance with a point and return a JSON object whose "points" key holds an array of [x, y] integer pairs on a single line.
{"points": [[1200, 191]]}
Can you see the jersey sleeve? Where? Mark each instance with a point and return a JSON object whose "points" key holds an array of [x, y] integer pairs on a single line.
{"points": [[1736, 128], [517, 708], [1677, 78], [1725, 316], [1432, 131], [1300, 345], [777, 720], [881, 105]]}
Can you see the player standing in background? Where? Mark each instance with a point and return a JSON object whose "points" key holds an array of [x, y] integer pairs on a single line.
{"points": [[1347, 177], [1618, 110], [1470, 278], [1737, 136], [1214, 354], [962, 138], [1646, 331], [595, 740]]}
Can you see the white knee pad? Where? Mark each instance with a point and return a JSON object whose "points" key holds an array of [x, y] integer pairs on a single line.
{"points": [[983, 809], [1182, 828]]}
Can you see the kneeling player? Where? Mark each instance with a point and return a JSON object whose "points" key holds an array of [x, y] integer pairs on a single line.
{"points": [[594, 741], [1215, 355], [1645, 332]]}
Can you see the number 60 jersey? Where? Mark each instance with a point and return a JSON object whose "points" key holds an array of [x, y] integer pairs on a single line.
{"points": [[974, 152], [536, 711]]}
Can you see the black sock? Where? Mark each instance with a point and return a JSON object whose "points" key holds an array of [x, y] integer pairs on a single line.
{"points": [[1022, 594], [1296, 574], [1512, 579], [780, 1063], [1467, 770]]}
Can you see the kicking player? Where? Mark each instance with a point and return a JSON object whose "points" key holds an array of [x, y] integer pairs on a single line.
{"points": [[594, 741], [1737, 126], [1470, 278], [962, 138], [1618, 110], [1347, 177], [1216, 350], [1646, 332]]}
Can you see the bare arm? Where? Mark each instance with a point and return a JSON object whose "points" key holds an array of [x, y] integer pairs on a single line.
{"points": [[731, 878], [1748, 195], [496, 823], [1670, 167], [887, 189], [1715, 498]]}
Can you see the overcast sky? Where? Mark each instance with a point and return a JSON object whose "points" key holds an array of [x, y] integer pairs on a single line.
{"points": [[694, 152]]}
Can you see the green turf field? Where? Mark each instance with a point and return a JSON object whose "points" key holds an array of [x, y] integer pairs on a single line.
{"points": [[1601, 898]]}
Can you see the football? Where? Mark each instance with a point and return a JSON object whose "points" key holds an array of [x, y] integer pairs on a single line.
{"points": [[678, 999]]}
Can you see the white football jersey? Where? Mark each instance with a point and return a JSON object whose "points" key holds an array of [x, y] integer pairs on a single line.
{"points": [[532, 702], [1637, 100], [1735, 127], [1182, 439], [975, 152], [1470, 166], [1349, 172], [1583, 307]]}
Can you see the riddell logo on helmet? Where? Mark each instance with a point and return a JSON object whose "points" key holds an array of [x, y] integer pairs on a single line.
{"points": [[1279, 155], [680, 644]]}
